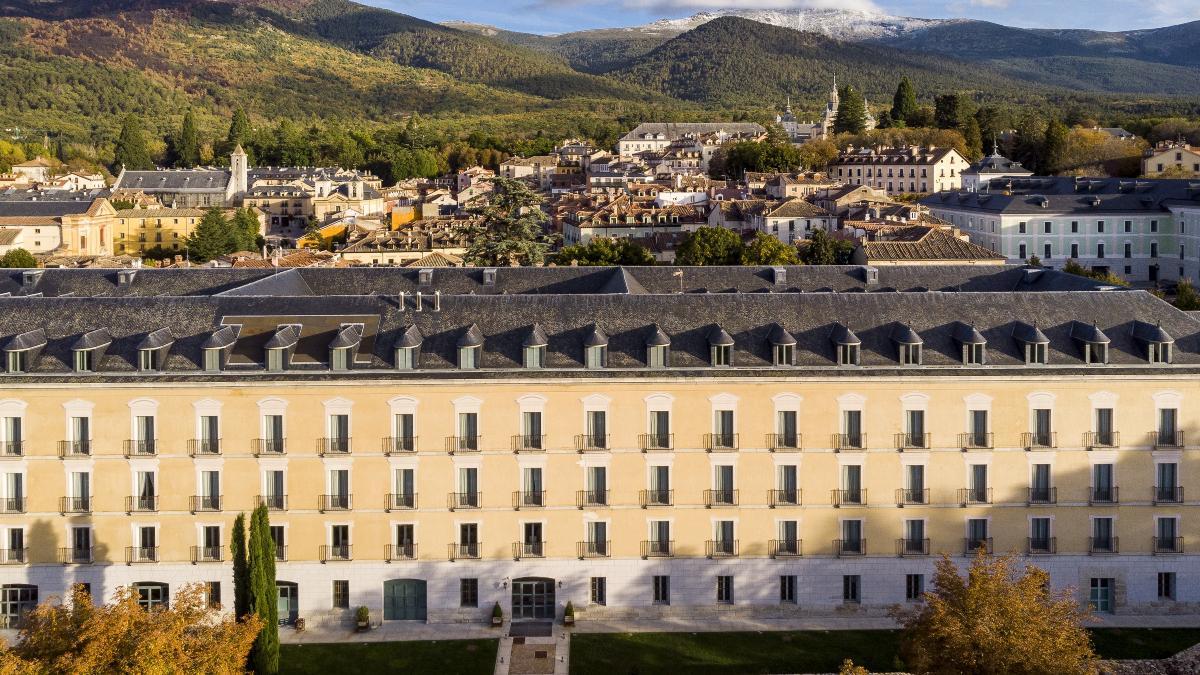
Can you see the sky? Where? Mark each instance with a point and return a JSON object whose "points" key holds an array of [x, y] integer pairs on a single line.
{"points": [[561, 16]]}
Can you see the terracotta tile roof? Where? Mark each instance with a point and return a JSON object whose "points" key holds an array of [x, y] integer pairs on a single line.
{"points": [[437, 259], [917, 243]]}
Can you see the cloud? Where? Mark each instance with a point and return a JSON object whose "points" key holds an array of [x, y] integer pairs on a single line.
{"points": [[993, 4], [677, 5]]}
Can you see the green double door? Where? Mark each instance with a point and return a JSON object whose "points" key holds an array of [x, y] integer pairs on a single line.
{"points": [[404, 600]]}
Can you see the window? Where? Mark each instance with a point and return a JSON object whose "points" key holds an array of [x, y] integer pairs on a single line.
{"points": [[1021, 252], [725, 590], [1159, 352], [787, 589], [1100, 226], [1154, 226], [1074, 226], [658, 356], [468, 431], [275, 360], [910, 355], [1154, 249], [1100, 594], [1035, 353], [1095, 352], [847, 355], [1166, 585], [852, 428], [1048, 251], [535, 357], [1021, 228], [468, 592], [721, 355], [785, 355], [17, 362], [915, 429], [406, 358], [152, 595], [1048, 227], [596, 357], [660, 428], [599, 590], [973, 354], [1129, 226], [468, 357], [339, 359], [662, 589], [1100, 250], [914, 586], [83, 361], [597, 429], [851, 588], [1128, 250], [341, 594]]}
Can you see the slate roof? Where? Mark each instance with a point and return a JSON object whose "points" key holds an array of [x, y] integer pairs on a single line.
{"points": [[674, 130], [174, 180], [42, 209], [1067, 195]]}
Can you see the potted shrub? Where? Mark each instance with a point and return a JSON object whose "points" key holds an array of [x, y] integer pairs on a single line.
{"points": [[363, 617], [299, 625], [497, 615], [569, 614]]}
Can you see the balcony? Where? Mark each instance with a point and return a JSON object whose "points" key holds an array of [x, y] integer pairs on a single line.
{"points": [[1041, 545], [333, 446], [721, 548], [1165, 440], [1103, 440], [281, 553], [1166, 545], [461, 444], [75, 556], [656, 498], [403, 501], [1039, 440], [658, 549], [12, 505], [841, 498], [1103, 545], [529, 443], [976, 441], [528, 549], [656, 442], [785, 442], [785, 548], [467, 551], [272, 502], [593, 549], [464, 500], [206, 503], [406, 551], [141, 504], [850, 548], [909, 441], [141, 554], [533, 499], [14, 556], [973, 544], [791, 497], [720, 442], [336, 552], [724, 497], [1103, 496], [203, 447], [270, 447], [591, 442], [912, 547], [338, 502], [12, 448], [1041, 496], [68, 449], [912, 497], [207, 554], [399, 445], [586, 498], [973, 496], [1168, 495], [141, 448], [842, 442], [74, 505]]}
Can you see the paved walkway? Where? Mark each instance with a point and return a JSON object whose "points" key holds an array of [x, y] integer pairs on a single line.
{"points": [[517, 659]]}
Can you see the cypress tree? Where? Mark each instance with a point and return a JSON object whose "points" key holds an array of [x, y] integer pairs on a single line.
{"points": [[241, 569], [264, 656], [904, 103], [239, 129], [189, 143], [1055, 147], [974, 138], [851, 112], [131, 151]]}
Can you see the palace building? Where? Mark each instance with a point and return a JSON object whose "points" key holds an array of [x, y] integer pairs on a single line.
{"points": [[641, 442]]}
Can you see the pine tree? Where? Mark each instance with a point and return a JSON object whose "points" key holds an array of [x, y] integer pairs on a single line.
{"points": [[239, 129], [264, 656], [131, 151], [851, 112], [188, 149], [513, 229], [973, 138], [211, 238], [241, 569], [904, 103], [1055, 146], [245, 231]]}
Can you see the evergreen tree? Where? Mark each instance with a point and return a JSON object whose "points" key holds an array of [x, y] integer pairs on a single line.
{"points": [[513, 230], [241, 569], [239, 129], [851, 113], [245, 231], [188, 148], [211, 238], [131, 151], [951, 111], [822, 249], [264, 597], [1186, 297], [973, 138], [1055, 147], [904, 103]]}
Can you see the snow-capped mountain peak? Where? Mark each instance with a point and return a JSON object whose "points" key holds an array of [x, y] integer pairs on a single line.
{"points": [[840, 24]]}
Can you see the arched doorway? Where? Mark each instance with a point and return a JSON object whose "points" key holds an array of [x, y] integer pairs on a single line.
{"points": [[404, 600], [289, 602], [532, 598]]}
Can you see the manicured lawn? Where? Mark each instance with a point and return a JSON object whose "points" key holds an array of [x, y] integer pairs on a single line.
{"points": [[805, 651], [447, 656]]}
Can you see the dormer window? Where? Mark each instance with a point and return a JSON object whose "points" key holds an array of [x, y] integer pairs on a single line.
{"points": [[658, 349], [148, 360], [407, 358], [84, 361], [720, 348], [783, 345], [16, 362], [846, 345], [596, 357], [534, 347], [1094, 352], [973, 354], [212, 360], [470, 346], [1157, 341], [908, 344], [535, 357], [339, 359], [910, 355], [218, 347], [279, 348], [1159, 352], [785, 355], [344, 346], [973, 344], [1034, 343], [1035, 354], [22, 351], [276, 359], [1092, 341], [848, 355]]}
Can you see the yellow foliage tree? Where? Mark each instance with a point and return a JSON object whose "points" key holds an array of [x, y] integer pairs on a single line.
{"points": [[188, 637], [996, 621]]}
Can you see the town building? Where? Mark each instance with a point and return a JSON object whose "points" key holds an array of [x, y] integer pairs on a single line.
{"points": [[993, 167], [791, 220], [896, 244], [658, 136], [136, 231], [73, 227], [1174, 156], [674, 443], [36, 170], [901, 170]]}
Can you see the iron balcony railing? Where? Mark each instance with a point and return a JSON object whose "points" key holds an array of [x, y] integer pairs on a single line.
{"points": [[723, 497], [459, 444], [272, 502], [470, 550], [74, 448], [841, 498], [976, 440], [14, 556], [270, 446], [654, 442], [1103, 545], [12, 448], [850, 548], [1041, 495], [976, 495], [204, 446], [658, 548], [585, 498], [1166, 439], [141, 448], [786, 497], [12, 505], [464, 500], [75, 505], [207, 554], [141, 554], [206, 503], [656, 498], [912, 496], [911, 547], [785, 548], [973, 544], [721, 548], [529, 443], [1041, 545], [339, 445], [141, 504], [281, 553], [1101, 439], [336, 552], [402, 501], [849, 441], [528, 549], [593, 549], [1161, 545], [1103, 495], [720, 442], [591, 442], [532, 499], [913, 441], [337, 502], [405, 551], [785, 442], [1168, 494], [399, 444], [1039, 440], [75, 556]]}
